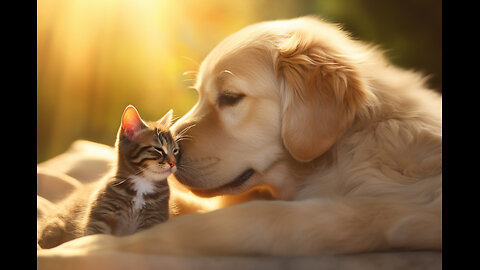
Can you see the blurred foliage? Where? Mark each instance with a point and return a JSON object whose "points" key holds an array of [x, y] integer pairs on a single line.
{"points": [[94, 57]]}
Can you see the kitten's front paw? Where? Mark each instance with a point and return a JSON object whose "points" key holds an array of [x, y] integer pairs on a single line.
{"points": [[52, 235]]}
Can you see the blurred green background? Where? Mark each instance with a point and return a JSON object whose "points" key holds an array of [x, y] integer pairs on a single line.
{"points": [[94, 57]]}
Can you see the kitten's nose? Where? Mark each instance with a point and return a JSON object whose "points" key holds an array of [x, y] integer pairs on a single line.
{"points": [[171, 162]]}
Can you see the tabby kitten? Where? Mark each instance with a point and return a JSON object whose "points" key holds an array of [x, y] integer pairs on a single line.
{"points": [[133, 197]]}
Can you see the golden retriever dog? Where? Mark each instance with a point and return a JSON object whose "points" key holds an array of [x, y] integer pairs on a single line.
{"points": [[349, 146]]}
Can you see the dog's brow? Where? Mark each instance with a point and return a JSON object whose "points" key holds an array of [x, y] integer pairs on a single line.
{"points": [[226, 71], [222, 76]]}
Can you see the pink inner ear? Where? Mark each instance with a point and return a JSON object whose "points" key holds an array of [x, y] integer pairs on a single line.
{"points": [[131, 121]]}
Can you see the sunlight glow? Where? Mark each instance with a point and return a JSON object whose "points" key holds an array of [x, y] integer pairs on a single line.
{"points": [[94, 57]]}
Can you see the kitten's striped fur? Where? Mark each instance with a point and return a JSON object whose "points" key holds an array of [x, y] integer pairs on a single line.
{"points": [[133, 197]]}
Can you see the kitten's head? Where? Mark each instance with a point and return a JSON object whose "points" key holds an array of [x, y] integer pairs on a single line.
{"points": [[146, 149]]}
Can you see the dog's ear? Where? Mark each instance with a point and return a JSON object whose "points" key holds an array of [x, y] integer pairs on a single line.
{"points": [[321, 92]]}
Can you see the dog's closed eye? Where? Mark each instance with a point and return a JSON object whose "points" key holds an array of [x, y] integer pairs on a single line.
{"points": [[229, 98]]}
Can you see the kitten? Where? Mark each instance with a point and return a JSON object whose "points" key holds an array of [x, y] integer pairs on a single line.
{"points": [[133, 197]]}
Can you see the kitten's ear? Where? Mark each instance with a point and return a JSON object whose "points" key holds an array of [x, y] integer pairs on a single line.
{"points": [[166, 119], [131, 122]]}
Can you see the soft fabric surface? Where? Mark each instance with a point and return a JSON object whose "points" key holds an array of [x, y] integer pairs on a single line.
{"points": [[86, 161], [384, 261]]}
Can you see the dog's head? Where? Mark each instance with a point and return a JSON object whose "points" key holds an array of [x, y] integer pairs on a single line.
{"points": [[274, 89]]}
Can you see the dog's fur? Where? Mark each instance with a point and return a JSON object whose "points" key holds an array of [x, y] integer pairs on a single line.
{"points": [[350, 146]]}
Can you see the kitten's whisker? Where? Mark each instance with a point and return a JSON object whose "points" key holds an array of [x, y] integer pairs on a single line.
{"points": [[184, 166], [183, 139], [188, 127], [180, 138], [117, 183], [125, 179], [180, 134]]}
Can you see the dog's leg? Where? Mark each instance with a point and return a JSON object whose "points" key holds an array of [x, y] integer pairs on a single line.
{"points": [[284, 228]]}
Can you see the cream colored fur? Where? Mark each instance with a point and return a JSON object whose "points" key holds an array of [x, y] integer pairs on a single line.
{"points": [[349, 145]]}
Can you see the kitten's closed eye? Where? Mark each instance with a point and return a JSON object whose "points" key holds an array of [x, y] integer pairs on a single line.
{"points": [[229, 98], [159, 150]]}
